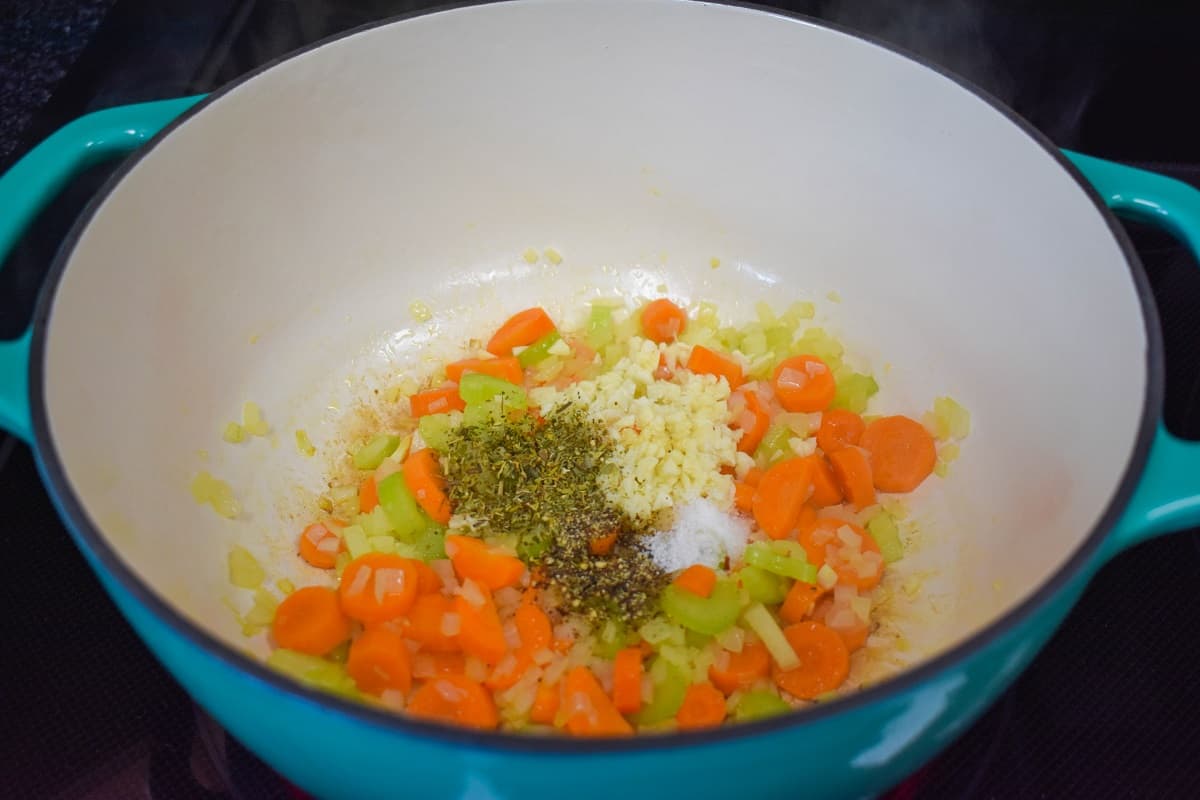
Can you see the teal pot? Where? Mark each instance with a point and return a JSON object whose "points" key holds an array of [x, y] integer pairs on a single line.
{"points": [[265, 243]]}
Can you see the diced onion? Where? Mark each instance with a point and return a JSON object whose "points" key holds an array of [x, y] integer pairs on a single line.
{"points": [[848, 536], [387, 581], [449, 692], [826, 577], [393, 699], [360, 581], [451, 624], [791, 378], [472, 594]]}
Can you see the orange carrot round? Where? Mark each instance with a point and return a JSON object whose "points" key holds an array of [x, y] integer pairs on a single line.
{"points": [[507, 368], [378, 661], [743, 497], [852, 471], [602, 545], [824, 661], [703, 361], [320, 544], [826, 491], [804, 383], [428, 581], [780, 496], [377, 587], [750, 418], [534, 628], [368, 495], [423, 476], [698, 579], [839, 428], [309, 620], [627, 680], [455, 699], [741, 670], [521, 329], [424, 623], [436, 401], [824, 534], [902, 453], [662, 320], [801, 598], [480, 633], [589, 711], [703, 707], [545, 704], [475, 560]]}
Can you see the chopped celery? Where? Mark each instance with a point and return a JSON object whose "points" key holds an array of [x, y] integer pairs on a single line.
{"points": [[313, 671], [612, 637], [753, 342], [763, 586], [356, 541], [670, 686], [244, 570], [948, 419], [381, 544], [709, 615], [372, 454], [789, 562], [252, 420], [435, 429], [774, 445], [539, 351], [660, 631], [853, 390], [798, 312], [759, 704], [489, 412], [234, 433], [764, 625], [815, 341], [779, 339], [340, 562], [401, 507], [304, 445], [476, 388], [430, 544], [766, 315], [286, 586], [374, 524], [696, 640], [344, 501], [882, 529]]}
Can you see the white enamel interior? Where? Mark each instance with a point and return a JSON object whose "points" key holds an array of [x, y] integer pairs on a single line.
{"points": [[269, 249]]}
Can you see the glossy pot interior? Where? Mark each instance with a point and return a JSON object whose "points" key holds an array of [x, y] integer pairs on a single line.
{"points": [[269, 248]]}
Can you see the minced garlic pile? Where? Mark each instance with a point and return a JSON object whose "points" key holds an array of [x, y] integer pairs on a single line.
{"points": [[673, 436]]}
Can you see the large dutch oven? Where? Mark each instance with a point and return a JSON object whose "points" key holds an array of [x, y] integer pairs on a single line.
{"points": [[265, 243]]}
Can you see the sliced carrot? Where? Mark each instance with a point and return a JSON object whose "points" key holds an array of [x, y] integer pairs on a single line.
{"points": [[709, 362], [698, 579], [428, 581], [823, 538], [780, 495], [741, 670], [320, 544], [589, 711], [852, 472], [743, 497], [534, 628], [309, 620], [368, 495], [839, 428], [703, 707], [377, 587], [602, 545], [854, 636], [545, 704], [752, 419], [427, 664], [423, 476], [902, 453], [508, 672], [662, 320], [475, 560], [378, 660], [455, 699], [824, 661], [627, 680], [436, 401], [804, 383], [506, 369], [753, 476], [800, 600], [826, 491], [480, 633], [424, 623], [521, 329], [808, 516]]}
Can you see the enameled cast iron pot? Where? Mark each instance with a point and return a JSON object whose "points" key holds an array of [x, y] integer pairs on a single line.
{"points": [[265, 243]]}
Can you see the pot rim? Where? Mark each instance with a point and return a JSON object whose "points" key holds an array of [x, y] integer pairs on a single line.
{"points": [[89, 537]]}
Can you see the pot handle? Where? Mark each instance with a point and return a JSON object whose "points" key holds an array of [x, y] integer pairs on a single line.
{"points": [[32, 182], [1167, 497]]}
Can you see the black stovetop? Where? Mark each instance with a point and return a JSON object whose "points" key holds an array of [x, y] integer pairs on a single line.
{"points": [[1105, 711]]}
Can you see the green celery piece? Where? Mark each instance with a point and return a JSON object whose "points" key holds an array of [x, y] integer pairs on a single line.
{"points": [[774, 445], [430, 544], [382, 544], [853, 390], [539, 351], [401, 507], [435, 429], [475, 388], [244, 570], [372, 454], [599, 331], [764, 625], [708, 615], [762, 586], [313, 671], [356, 541], [781, 561], [759, 704], [374, 524], [611, 638], [668, 694], [882, 529]]}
